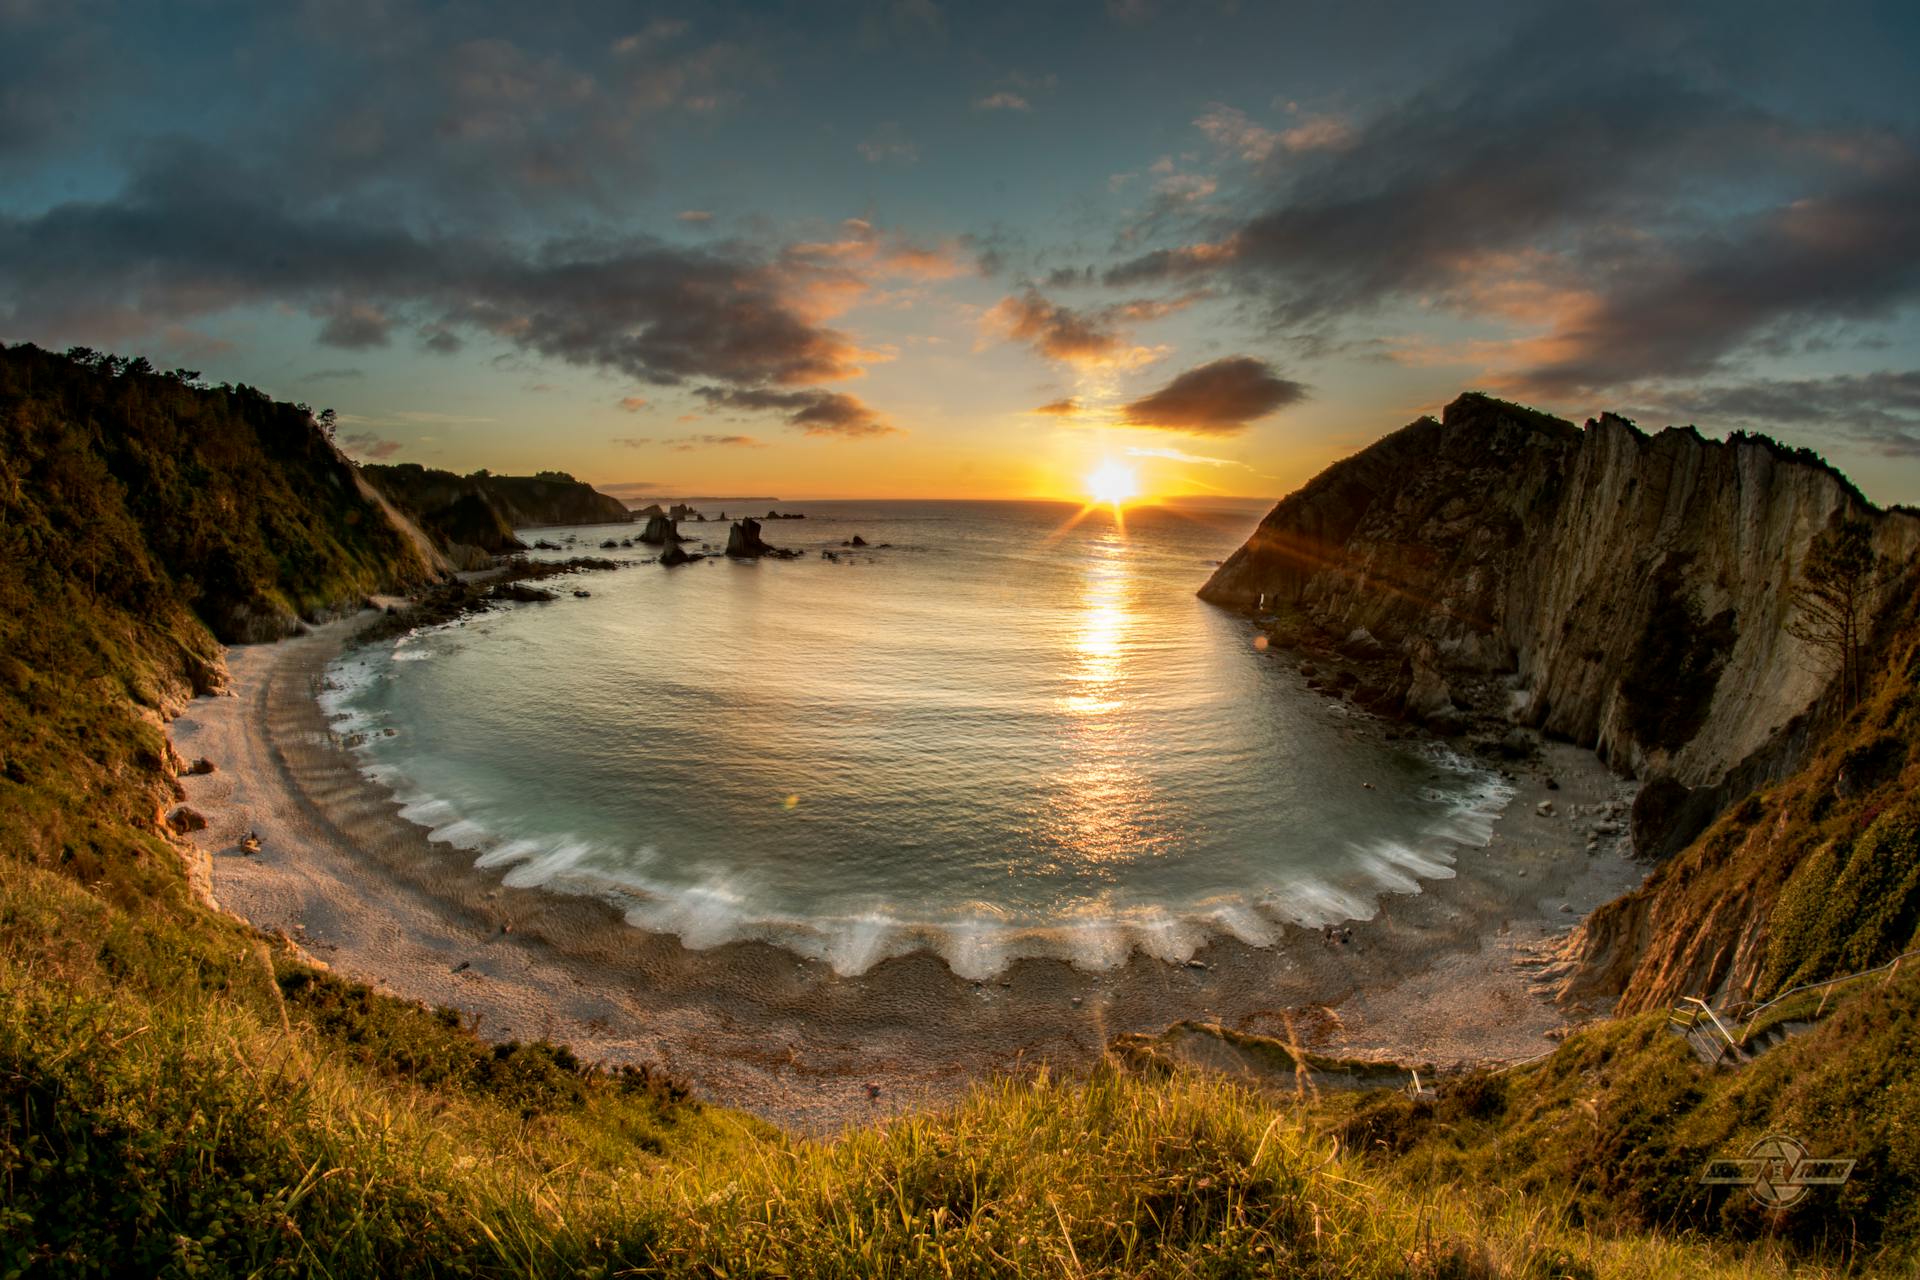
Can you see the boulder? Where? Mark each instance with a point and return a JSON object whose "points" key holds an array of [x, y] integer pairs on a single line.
{"points": [[183, 820], [856, 541], [673, 555]]}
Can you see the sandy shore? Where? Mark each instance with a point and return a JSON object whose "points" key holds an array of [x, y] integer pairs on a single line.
{"points": [[1440, 976]]}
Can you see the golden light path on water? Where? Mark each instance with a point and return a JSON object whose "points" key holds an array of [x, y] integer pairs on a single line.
{"points": [[1104, 806]]}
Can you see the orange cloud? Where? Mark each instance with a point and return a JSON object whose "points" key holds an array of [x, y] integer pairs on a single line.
{"points": [[1084, 339]]}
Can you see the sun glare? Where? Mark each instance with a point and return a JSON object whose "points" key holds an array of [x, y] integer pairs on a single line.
{"points": [[1112, 483]]}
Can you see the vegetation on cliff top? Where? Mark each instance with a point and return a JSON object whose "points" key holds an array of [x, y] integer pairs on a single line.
{"points": [[182, 1096]]}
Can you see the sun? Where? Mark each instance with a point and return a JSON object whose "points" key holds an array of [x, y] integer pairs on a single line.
{"points": [[1112, 483]]}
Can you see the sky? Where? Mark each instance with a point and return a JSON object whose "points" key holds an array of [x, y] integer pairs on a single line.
{"points": [[919, 248]]}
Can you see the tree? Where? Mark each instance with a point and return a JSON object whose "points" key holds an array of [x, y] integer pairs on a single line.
{"points": [[329, 422], [1833, 601]]}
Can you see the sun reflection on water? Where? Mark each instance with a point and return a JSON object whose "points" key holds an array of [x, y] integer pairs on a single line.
{"points": [[1102, 815]]}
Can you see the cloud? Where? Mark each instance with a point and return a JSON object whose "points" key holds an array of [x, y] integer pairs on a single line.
{"points": [[632, 404], [695, 217], [440, 340], [1180, 455], [687, 444], [1233, 131], [1220, 398], [888, 144], [332, 375], [1851, 254], [1086, 339], [365, 444], [815, 412], [177, 244], [1660, 229], [1064, 408], [354, 326], [1878, 412], [659, 32], [1004, 100], [434, 418]]}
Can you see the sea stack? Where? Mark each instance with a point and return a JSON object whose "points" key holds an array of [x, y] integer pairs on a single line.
{"points": [[660, 530], [744, 541]]}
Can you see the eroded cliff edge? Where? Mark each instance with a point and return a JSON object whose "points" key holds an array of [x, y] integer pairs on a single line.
{"points": [[1625, 591]]}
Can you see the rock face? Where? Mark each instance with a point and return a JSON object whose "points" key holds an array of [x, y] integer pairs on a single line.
{"points": [[1635, 586], [660, 531], [744, 541]]}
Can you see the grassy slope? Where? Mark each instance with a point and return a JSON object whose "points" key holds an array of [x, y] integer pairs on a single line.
{"points": [[177, 1096]]}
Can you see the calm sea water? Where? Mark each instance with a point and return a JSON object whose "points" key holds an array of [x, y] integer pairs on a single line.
{"points": [[1007, 734]]}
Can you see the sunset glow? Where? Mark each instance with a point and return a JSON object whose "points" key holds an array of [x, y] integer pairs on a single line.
{"points": [[1113, 484], [923, 250]]}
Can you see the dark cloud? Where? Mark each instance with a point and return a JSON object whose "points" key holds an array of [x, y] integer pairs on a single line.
{"points": [[1064, 408], [1650, 228], [1879, 412], [353, 326], [332, 375], [1216, 399], [440, 340], [174, 246], [1853, 254], [816, 412]]}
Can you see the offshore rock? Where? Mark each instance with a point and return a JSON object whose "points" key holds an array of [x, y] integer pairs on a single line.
{"points": [[744, 541], [660, 530]]}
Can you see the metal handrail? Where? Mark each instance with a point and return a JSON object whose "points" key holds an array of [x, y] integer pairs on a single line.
{"points": [[1757, 1010], [1702, 1007]]}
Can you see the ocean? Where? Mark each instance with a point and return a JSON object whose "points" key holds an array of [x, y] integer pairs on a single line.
{"points": [[1005, 729]]}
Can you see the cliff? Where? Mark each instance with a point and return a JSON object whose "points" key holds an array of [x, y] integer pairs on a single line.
{"points": [[1632, 593], [1633, 589], [1812, 876], [473, 517]]}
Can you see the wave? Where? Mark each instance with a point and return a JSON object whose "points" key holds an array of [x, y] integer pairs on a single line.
{"points": [[978, 944]]}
